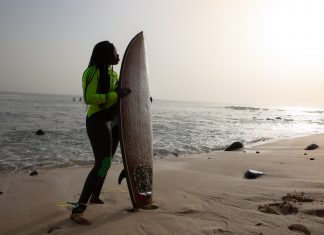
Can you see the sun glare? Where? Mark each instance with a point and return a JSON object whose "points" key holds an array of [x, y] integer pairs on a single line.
{"points": [[294, 32]]}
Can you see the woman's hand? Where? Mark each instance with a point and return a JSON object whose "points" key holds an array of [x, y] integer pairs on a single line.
{"points": [[122, 92]]}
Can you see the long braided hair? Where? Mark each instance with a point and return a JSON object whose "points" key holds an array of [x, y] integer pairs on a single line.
{"points": [[102, 56]]}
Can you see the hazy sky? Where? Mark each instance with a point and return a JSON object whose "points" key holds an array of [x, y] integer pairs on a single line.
{"points": [[250, 52]]}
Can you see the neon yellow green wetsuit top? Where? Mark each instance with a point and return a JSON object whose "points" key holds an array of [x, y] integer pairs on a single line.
{"points": [[90, 80]]}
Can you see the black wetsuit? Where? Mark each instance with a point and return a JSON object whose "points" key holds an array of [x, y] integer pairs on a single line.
{"points": [[103, 133], [102, 129]]}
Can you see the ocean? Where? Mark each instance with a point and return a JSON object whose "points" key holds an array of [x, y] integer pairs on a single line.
{"points": [[178, 128]]}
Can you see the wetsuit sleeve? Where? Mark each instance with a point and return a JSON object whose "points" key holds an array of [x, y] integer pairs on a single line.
{"points": [[90, 91]]}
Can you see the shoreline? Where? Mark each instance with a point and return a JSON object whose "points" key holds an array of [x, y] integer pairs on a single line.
{"points": [[196, 194], [247, 146]]}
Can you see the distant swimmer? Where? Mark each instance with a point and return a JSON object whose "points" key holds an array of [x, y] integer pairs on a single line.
{"points": [[80, 99], [74, 99]]}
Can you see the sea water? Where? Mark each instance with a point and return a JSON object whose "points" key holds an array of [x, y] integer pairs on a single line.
{"points": [[178, 128]]}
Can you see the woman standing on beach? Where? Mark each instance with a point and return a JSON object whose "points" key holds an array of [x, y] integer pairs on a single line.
{"points": [[101, 92]]}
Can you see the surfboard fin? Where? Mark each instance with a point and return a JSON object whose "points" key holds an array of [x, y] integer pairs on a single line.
{"points": [[122, 175]]}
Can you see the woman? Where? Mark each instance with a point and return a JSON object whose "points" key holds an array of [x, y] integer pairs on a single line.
{"points": [[101, 92]]}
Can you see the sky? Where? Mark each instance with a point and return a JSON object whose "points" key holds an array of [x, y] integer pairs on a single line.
{"points": [[245, 52]]}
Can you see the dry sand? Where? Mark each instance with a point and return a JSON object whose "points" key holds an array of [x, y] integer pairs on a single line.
{"points": [[196, 194]]}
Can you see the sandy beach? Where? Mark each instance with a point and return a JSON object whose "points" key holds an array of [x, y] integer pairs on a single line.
{"points": [[196, 194]]}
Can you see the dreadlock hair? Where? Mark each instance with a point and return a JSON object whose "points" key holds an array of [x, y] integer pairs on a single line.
{"points": [[102, 56]]}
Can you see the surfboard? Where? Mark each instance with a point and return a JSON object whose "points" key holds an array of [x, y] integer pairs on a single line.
{"points": [[136, 124]]}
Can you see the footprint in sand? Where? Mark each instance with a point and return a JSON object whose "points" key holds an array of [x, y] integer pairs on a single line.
{"points": [[297, 197], [51, 229], [150, 207], [284, 208], [316, 212], [188, 212], [217, 231], [299, 228]]}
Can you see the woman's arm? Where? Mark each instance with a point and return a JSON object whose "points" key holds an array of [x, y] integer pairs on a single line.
{"points": [[90, 90]]}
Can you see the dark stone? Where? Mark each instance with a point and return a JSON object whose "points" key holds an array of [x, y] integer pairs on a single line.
{"points": [[33, 173], [311, 147], [40, 132], [252, 174], [175, 153], [257, 152], [305, 153], [235, 146], [1, 193], [278, 118], [312, 158]]}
